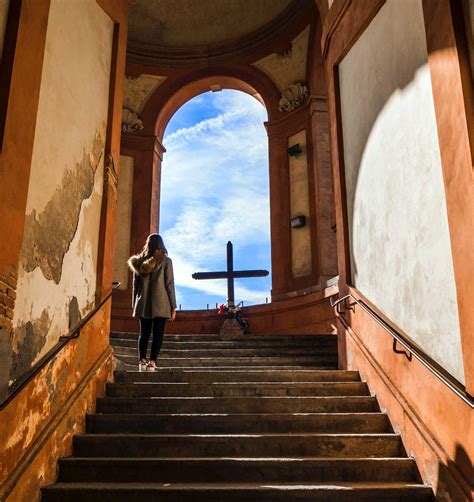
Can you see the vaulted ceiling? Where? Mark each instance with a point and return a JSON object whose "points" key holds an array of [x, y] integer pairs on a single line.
{"points": [[187, 23], [196, 28]]}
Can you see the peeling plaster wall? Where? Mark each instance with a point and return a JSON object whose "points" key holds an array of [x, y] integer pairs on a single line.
{"points": [[123, 220], [299, 206], [4, 5], [399, 238], [38, 425], [57, 273]]}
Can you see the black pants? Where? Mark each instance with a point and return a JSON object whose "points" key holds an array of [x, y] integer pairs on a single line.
{"points": [[158, 324]]}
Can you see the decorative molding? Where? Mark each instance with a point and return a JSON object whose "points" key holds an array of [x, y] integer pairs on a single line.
{"points": [[289, 66], [293, 97], [131, 122]]}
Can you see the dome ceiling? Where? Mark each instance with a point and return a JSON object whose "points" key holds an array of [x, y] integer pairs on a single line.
{"points": [[191, 23]]}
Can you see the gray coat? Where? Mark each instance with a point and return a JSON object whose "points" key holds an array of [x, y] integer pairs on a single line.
{"points": [[153, 286]]}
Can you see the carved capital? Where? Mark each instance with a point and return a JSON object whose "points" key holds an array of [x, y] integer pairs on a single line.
{"points": [[293, 97], [131, 122]]}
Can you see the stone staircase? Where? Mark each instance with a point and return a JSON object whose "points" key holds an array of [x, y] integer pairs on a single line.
{"points": [[229, 419]]}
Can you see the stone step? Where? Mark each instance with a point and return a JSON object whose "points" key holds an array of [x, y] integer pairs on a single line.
{"points": [[237, 492], [281, 352], [239, 423], [237, 418], [209, 362], [215, 470], [237, 405], [240, 445], [236, 344], [228, 338], [132, 366], [240, 389], [237, 375]]}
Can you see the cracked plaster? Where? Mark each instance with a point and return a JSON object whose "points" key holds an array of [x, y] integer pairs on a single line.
{"points": [[58, 266]]}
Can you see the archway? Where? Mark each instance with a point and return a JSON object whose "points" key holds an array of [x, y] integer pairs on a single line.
{"points": [[214, 188], [265, 94], [170, 96]]}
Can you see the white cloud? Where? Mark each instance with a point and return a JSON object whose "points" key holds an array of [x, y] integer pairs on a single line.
{"points": [[215, 189]]}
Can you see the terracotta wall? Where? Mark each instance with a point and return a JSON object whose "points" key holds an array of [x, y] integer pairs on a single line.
{"points": [[435, 423], [38, 422], [38, 425], [301, 314]]}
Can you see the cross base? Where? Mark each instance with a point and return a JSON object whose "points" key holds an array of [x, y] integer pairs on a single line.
{"points": [[231, 327]]}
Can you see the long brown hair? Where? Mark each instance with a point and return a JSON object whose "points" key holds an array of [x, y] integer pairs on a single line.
{"points": [[153, 243]]}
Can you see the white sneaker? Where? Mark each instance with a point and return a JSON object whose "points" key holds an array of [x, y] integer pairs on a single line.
{"points": [[142, 366], [150, 367]]}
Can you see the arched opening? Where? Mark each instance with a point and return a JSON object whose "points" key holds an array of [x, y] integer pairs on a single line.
{"points": [[215, 188], [169, 100]]}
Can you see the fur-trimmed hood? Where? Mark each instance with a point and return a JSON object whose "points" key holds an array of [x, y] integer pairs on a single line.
{"points": [[141, 266]]}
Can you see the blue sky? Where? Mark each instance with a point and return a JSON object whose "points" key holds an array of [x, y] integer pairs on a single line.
{"points": [[214, 188]]}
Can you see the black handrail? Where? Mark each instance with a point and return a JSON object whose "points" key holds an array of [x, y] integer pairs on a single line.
{"points": [[63, 341], [409, 346]]}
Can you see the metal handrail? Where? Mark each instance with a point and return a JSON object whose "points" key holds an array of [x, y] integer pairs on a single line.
{"points": [[63, 341], [408, 346]]}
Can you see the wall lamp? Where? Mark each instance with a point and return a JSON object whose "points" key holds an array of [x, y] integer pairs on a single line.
{"points": [[295, 150], [298, 221]]}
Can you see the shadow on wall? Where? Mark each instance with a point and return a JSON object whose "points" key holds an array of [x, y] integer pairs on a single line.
{"points": [[355, 177], [381, 82], [454, 475], [399, 237]]}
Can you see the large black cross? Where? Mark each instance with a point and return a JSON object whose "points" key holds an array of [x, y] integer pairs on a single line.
{"points": [[230, 274]]}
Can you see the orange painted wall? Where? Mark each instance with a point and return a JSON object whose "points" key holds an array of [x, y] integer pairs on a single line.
{"points": [[435, 424], [38, 425], [437, 427], [303, 314]]}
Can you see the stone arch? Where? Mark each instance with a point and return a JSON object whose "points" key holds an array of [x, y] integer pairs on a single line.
{"points": [[169, 97]]}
